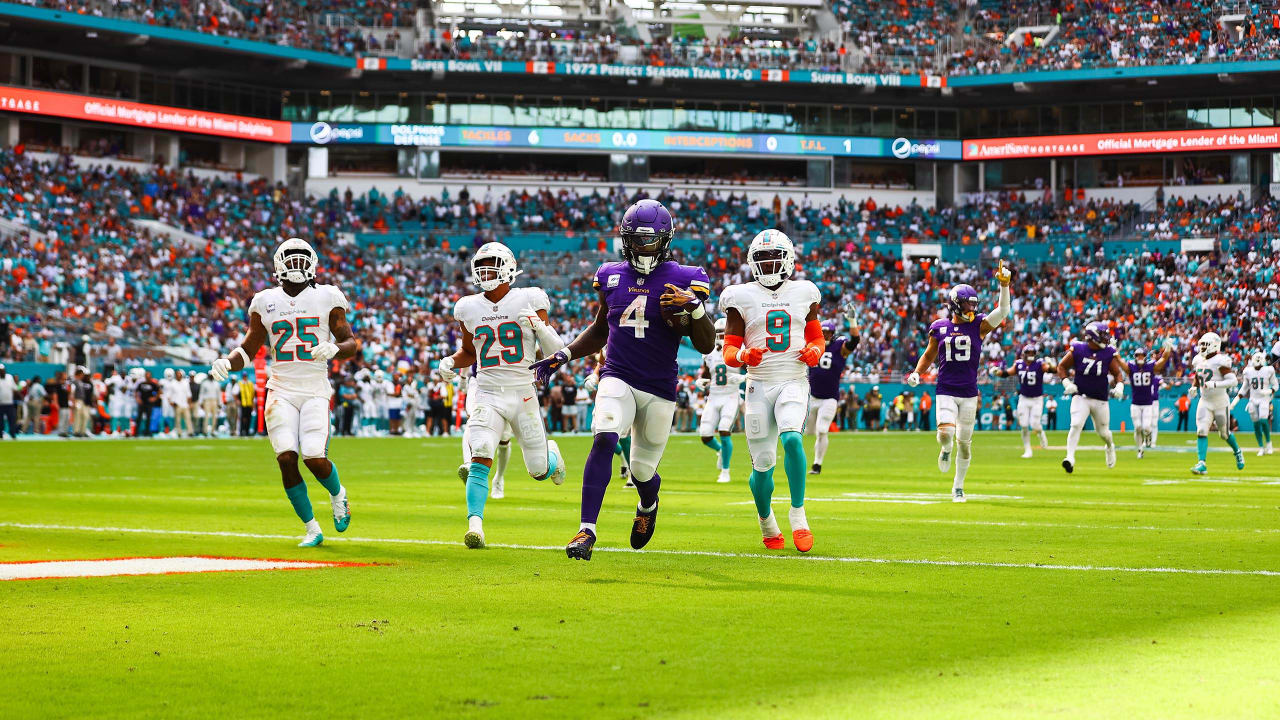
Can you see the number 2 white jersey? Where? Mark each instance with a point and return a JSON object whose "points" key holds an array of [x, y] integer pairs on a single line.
{"points": [[295, 325], [724, 379], [775, 321], [1260, 382], [1212, 368], [504, 349]]}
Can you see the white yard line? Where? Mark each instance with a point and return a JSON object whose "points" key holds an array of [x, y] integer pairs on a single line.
{"points": [[53, 569], [685, 553]]}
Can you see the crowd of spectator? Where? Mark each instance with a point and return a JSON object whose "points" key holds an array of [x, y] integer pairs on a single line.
{"points": [[935, 36]]}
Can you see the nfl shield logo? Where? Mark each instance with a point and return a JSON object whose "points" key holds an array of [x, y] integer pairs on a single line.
{"points": [[639, 281], [495, 308]]}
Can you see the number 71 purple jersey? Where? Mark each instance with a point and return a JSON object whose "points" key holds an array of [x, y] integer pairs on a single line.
{"points": [[641, 350], [959, 350]]}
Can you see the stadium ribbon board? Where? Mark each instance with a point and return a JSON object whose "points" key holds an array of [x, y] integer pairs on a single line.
{"points": [[610, 140], [1158, 141]]}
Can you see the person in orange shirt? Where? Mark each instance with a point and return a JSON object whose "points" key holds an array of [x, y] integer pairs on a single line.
{"points": [[1184, 412], [926, 404]]}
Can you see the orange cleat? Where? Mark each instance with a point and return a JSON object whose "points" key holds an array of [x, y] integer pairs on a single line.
{"points": [[803, 540], [777, 542]]}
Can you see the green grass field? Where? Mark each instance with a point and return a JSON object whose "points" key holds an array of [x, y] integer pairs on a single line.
{"points": [[1137, 592]]}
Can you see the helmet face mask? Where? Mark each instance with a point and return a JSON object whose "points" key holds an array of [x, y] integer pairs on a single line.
{"points": [[1028, 352], [646, 231], [295, 262], [493, 265], [772, 258]]}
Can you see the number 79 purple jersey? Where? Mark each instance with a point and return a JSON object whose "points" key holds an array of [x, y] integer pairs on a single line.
{"points": [[641, 350], [959, 350]]}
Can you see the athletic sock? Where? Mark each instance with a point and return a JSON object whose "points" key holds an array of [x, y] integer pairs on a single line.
{"points": [[726, 451], [596, 472], [504, 454], [1138, 438], [648, 490], [553, 462], [795, 464], [477, 489], [331, 483], [1026, 439], [797, 519], [962, 469], [1231, 440], [1073, 442], [1044, 439], [712, 443], [1202, 448], [301, 503], [313, 526], [769, 525], [625, 444], [1257, 434], [587, 526], [761, 483], [1266, 431]]}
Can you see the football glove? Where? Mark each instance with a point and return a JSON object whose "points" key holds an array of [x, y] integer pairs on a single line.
{"points": [[913, 379], [591, 383], [547, 367], [446, 369], [1003, 274], [1192, 392], [751, 357], [1069, 386], [325, 351], [220, 369], [1117, 391], [811, 355], [528, 318], [702, 383], [993, 372], [1170, 344], [851, 313]]}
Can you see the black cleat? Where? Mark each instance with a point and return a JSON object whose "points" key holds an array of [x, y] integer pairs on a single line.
{"points": [[642, 527], [1066, 465], [579, 548], [816, 469]]}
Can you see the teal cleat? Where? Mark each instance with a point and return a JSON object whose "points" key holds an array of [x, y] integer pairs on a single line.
{"points": [[1239, 459], [312, 540], [1200, 468], [341, 511]]}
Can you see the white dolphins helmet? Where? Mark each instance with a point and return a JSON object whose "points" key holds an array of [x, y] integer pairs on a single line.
{"points": [[201, 377], [491, 275], [1259, 360], [168, 373], [1209, 343], [295, 261], [721, 323], [779, 260], [379, 375]]}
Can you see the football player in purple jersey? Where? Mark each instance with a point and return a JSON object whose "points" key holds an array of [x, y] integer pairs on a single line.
{"points": [[956, 343], [824, 383], [1084, 371], [1030, 371], [1144, 378], [637, 389]]}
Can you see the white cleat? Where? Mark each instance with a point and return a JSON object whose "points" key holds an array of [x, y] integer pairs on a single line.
{"points": [[557, 477], [474, 538], [1270, 450], [313, 539], [944, 461], [1111, 456], [724, 476], [957, 495], [1140, 453], [1026, 454], [1262, 451], [464, 471], [496, 493]]}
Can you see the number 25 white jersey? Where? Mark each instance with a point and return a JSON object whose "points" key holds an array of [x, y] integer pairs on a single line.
{"points": [[504, 349], [775, 321], [295, 325]]}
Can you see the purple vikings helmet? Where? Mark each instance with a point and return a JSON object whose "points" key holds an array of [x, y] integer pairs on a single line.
{"points": [[646, 230], [1140, 354], [963, 301], [828, 329], [1098, 333], [1028, 352]]}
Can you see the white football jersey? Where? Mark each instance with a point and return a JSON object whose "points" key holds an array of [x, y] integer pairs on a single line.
{"points": [[775, 321], [504, 350], [1260, 383], [295, 325], [1212, 368], [724, 379]]}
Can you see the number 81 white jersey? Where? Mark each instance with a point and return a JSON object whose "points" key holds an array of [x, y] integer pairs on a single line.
{"points": [[504, 349], [295, 325], [775, 321]]}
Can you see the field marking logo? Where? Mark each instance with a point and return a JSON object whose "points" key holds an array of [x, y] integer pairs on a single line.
{"points": [[321, 133]]}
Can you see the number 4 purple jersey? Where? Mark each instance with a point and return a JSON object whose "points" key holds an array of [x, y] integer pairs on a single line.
{"points": [[959, 348], [641, 349], [1092, 368]]}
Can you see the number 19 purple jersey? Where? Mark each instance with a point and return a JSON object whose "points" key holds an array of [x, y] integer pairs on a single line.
{"points": [[1092, 368], [959, 348], [641, 349]]}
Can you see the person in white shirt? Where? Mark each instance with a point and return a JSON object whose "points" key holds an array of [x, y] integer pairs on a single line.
{"points": [[8, 406]]}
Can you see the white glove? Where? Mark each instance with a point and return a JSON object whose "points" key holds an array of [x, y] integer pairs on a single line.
{"points": [[220, 370], [1069, 386], [851, 313], [591, 382], [446, 369], [1117, 391], [703, 383], [993, 372], [913, 379], [325, 351], [1192, 392], [527, 316], [1170, 344]]}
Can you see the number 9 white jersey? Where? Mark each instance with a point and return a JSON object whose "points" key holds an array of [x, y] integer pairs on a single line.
{"points": [[295, 326], [504, 349], [775, 321]]}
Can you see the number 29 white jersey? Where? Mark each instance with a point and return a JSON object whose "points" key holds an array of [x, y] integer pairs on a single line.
{"points": [[295, 325], [775, 321], [504, 349]]}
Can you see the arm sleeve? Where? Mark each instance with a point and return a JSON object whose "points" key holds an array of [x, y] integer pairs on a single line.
{"points": [[997, 316], [1227, 381]]}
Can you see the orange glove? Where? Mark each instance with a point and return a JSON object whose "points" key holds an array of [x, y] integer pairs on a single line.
{"points": [[816, 346], [736, 356], [811, 354]]}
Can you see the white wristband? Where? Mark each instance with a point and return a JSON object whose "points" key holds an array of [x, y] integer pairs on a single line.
{"points": [[567, 355], [698, 312]]}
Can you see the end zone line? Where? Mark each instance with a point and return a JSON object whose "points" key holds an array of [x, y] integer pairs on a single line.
{"points": [[689, 553]]}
